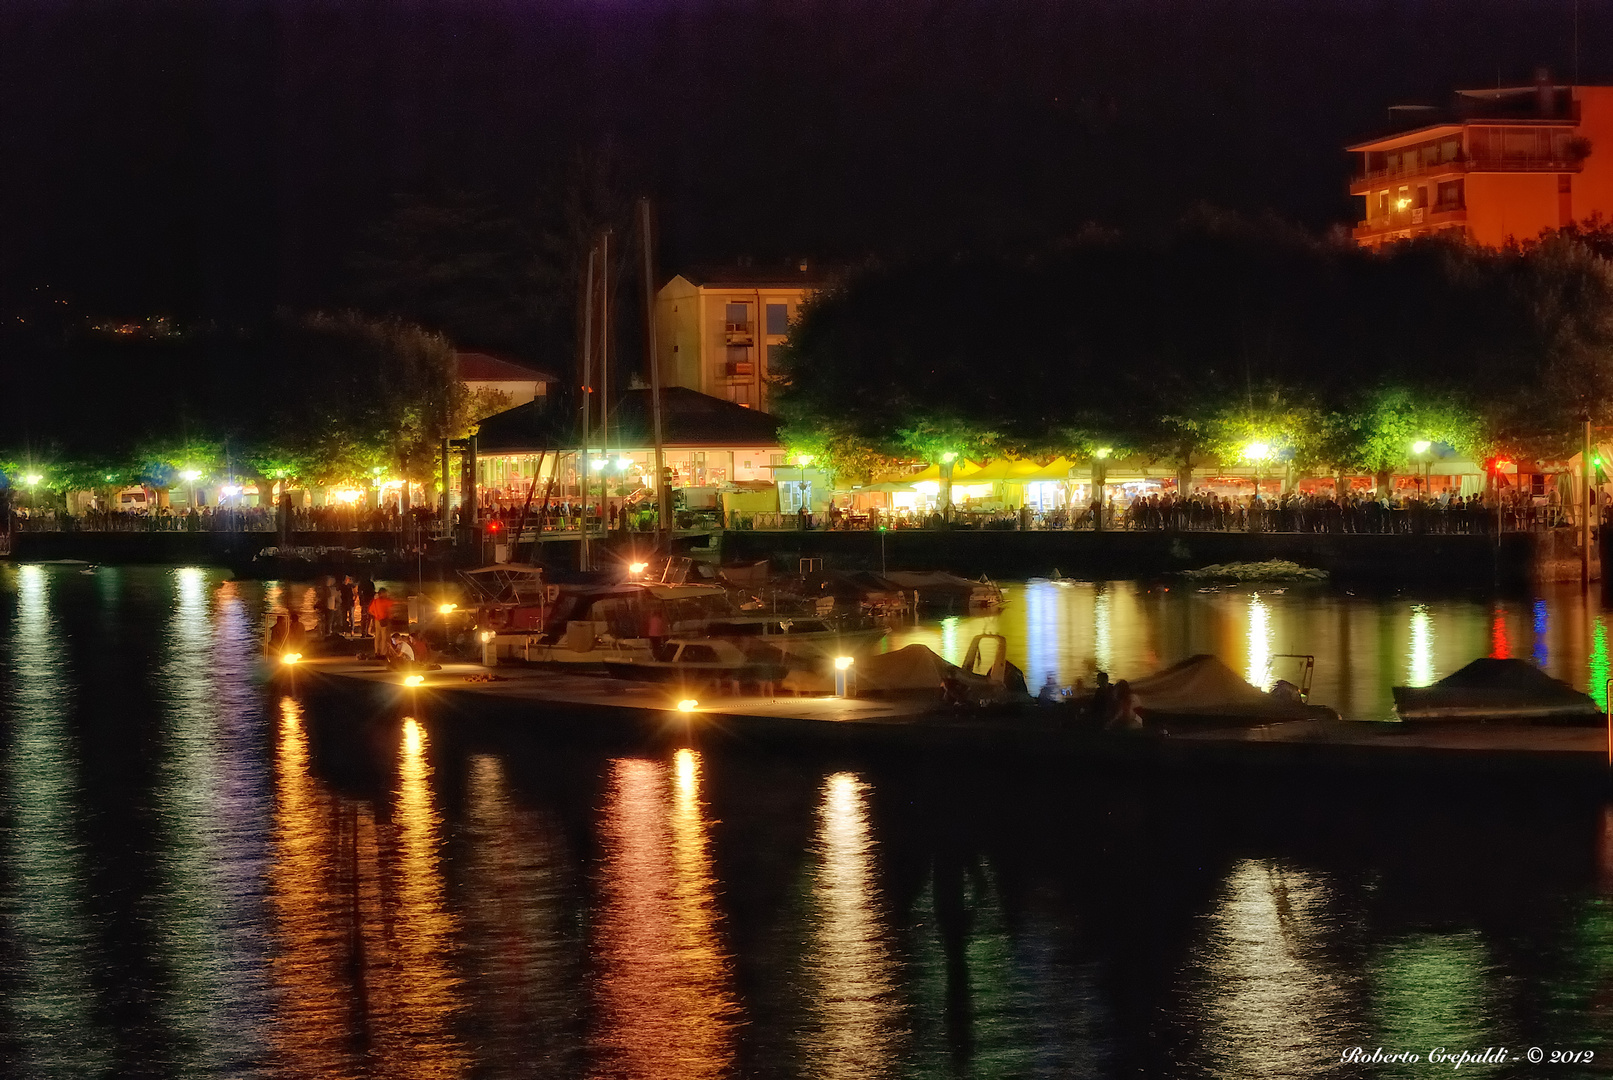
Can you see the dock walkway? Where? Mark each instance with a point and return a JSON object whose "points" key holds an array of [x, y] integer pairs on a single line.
{"points": [[545, 702]]}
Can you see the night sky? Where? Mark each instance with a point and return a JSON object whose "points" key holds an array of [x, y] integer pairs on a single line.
{"points": [[219, 159]]}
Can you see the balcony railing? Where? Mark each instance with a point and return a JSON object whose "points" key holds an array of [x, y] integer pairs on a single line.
{"points": [[740, 369], [1363, 181], [1420, 219], [739, 333]]}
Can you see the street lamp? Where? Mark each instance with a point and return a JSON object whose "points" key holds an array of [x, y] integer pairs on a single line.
{"points": [[1420, 449], [803, 460], [1259, 453]]}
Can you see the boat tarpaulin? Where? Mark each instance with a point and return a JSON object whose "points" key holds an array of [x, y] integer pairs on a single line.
{"points": [[914, 668], [1200, 683], [1494, 688]]}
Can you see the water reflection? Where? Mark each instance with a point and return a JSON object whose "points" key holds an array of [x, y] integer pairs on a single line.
{"points": [[1274, 1005], [666, 1005], [52, 1000], [211, 796], [1363, 646], [1259, 672], [243, 884], [366, 942], [850, 967], [1434, 990], [523, 950], [1420, 655]]}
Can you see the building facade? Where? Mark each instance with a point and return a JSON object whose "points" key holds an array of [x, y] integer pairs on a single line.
{"points": [[1498, 165], [719, 331], [484, 371]]}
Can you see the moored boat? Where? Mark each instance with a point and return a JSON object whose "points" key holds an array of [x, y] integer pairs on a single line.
{"points": [[1497, 689]]}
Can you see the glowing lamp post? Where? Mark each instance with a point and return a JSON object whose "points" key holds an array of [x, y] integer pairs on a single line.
{"points": [[802, 461], [190, 476], [944, 492], [844, 684], [1259, 453]]}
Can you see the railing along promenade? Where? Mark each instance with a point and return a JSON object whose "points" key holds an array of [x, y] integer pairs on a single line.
{"points": [[1457, 517]]}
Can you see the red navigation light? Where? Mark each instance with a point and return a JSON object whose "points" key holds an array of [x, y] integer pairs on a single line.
{"points": [[493, 526]]}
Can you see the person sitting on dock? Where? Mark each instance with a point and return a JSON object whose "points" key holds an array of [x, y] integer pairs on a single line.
{"points": [[408, 653], [1051, 693], [1123, 715], [286, 636]]}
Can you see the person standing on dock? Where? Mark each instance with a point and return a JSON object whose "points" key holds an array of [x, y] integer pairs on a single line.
{"points": [[380, 611], [345, 621], [366, 597]]}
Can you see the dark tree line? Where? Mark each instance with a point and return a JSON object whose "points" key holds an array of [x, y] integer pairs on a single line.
{"points": [[1185, 348]]}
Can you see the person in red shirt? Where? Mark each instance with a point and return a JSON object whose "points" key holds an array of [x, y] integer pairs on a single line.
{"points": [[381, 613]]}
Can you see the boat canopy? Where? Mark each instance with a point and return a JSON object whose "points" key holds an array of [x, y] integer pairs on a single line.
{"points": [[1200, 683], [915, 668]]}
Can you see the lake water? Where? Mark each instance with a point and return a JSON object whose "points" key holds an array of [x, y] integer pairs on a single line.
{"points": [[200, 877]]}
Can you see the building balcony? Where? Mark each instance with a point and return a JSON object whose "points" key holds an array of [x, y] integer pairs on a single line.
{"points": [[739, 333], [1404, 224], [740, 369], [1365, 183]]}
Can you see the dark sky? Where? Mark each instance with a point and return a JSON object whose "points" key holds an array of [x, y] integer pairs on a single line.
{"points": [[220, 157]]}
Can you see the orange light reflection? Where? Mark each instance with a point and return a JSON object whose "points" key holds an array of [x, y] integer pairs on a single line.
{"points": [[666, 1005]]}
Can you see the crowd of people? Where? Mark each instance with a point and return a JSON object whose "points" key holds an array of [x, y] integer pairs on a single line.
{"points": [[1202, 510], [352, 608]]}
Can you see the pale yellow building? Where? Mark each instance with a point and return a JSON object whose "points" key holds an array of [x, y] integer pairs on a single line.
{"points": [[718, 331]]}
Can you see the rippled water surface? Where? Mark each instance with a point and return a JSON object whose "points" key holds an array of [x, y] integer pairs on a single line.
{"points": [[201, 877]]}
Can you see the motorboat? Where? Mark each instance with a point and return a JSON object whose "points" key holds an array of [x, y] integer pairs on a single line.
{"points": [[523, 617], [1497, 689], [703, 662], [806, 638], [1202, 692], [938, 590]]}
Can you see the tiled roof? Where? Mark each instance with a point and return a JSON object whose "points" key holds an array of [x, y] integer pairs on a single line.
{"points": [[688, 418], [802, 275], [485, 367]]}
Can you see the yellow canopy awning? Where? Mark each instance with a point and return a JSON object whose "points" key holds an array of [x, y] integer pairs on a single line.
{"points": [[1013, 470], [1057, 469], [960, 470]]}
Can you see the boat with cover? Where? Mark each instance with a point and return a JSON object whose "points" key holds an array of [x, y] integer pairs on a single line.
{"points": [[696, 663], [1202, 692], [1491, 688]]}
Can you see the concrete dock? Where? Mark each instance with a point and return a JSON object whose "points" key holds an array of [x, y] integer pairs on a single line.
{"points": [[541, 702]]}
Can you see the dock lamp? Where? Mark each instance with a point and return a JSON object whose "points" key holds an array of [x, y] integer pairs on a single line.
{"points": [[688, 705], [634, 569], [845, 677]]}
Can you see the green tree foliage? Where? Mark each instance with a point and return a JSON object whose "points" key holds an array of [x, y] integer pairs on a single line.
{"points": [[1186, 348]]}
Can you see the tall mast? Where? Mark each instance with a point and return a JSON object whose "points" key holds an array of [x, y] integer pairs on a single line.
{"points": [[604, 382], [662, 495], [587, 389]]}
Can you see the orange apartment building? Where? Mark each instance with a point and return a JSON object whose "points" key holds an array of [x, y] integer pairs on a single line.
{"points": [[1499, 165], [719, 329]]}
